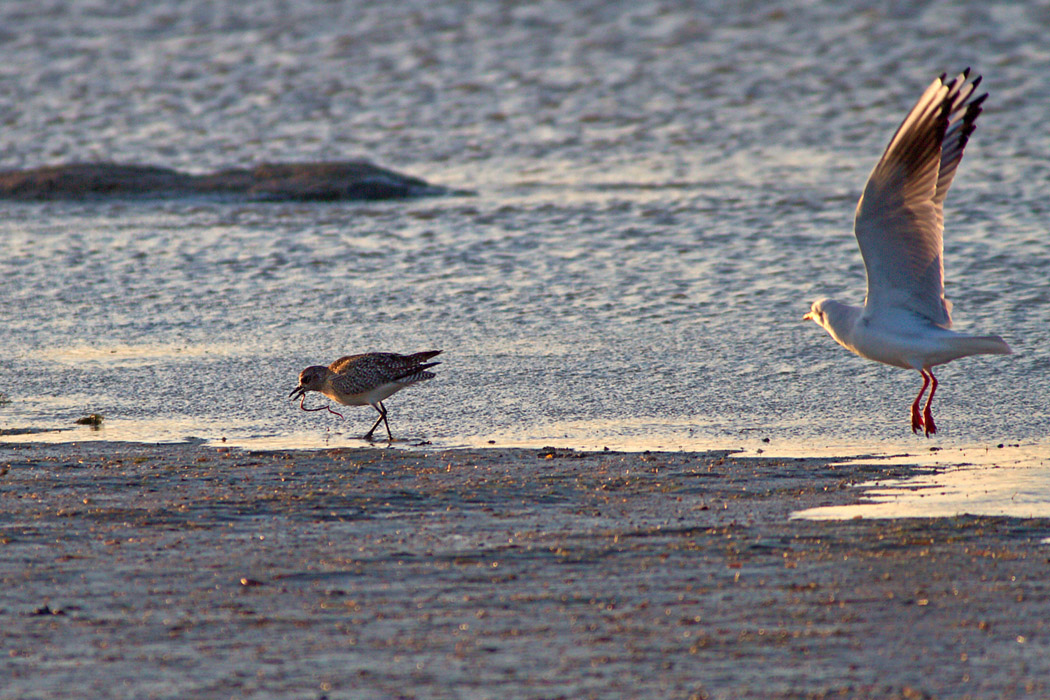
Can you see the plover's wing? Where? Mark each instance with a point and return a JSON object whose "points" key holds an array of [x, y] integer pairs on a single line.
{"points": [[392, 363], [418, 357], [361, 373], [346, 362], [357, 374], [408, 369], [900, 217]]}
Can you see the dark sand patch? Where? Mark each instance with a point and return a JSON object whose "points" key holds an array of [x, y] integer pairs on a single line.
{"points": [[180, 571]]}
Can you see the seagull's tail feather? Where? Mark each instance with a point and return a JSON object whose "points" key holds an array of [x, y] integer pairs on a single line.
{"points": [[984, 345]]}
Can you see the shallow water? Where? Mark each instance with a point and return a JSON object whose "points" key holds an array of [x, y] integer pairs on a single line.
{"points": [[1008, 481], [662, 189]]}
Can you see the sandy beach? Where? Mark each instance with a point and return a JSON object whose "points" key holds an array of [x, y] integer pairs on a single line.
{"points": [[639, 201], [186, 571]]}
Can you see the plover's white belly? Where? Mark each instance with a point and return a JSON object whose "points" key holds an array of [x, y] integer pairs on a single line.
{"points": [[364, 398]]}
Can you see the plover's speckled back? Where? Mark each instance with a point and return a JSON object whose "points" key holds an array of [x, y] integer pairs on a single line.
{"points": [[356, 380]]}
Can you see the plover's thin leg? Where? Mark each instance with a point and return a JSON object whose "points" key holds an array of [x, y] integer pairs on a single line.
{"points": [[301, 400], [927, 415], [382, 409], [916, 417], [368, 435]]}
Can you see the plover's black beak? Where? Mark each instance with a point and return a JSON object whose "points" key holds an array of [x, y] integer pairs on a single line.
{"points": [[297, 392]]}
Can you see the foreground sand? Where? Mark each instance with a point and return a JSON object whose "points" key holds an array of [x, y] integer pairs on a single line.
{"points": [[182, 571]]}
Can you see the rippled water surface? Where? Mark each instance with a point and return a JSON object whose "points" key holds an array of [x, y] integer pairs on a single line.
{"points": [[661, 190]]}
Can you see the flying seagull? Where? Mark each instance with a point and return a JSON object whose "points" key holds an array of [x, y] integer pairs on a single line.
{"points": [[906, 321]]}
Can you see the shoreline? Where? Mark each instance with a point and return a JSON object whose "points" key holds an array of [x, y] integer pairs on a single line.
{"points": [[493, 572], [923, 453]]}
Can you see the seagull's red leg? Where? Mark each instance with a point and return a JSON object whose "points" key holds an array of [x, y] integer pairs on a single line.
{"points": [[927, 415], [916, 417], [321, 408]]}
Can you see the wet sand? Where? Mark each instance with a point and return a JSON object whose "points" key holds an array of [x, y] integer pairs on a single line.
{"points": [[186, 571]]}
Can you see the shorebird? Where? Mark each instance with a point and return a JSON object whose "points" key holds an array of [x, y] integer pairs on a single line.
{"points": [[356, 380], [906, 321]]}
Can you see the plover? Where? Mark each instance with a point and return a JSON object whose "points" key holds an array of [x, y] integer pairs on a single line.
{"points": [[356, 380], [906, 321]]}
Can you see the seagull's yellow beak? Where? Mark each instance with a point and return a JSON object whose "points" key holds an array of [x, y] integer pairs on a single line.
{"points": [[810, 317]]}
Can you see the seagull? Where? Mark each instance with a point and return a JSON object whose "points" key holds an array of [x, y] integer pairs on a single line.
{"points": [[906, 321], [356, 380]]}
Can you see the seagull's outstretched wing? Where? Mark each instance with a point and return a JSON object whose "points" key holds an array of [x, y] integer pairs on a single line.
{"points": [[900, 217]]}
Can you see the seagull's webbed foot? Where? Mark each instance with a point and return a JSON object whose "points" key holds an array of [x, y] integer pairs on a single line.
{"points": [[927, 414], [923, 421], [927, 418], [916, 419]]}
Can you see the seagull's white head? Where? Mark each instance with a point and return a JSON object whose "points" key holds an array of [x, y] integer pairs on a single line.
{"points": [[816, 312], [834, 317]]}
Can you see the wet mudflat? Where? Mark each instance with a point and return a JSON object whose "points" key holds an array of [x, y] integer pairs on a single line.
{"points": [[177, 571]]}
